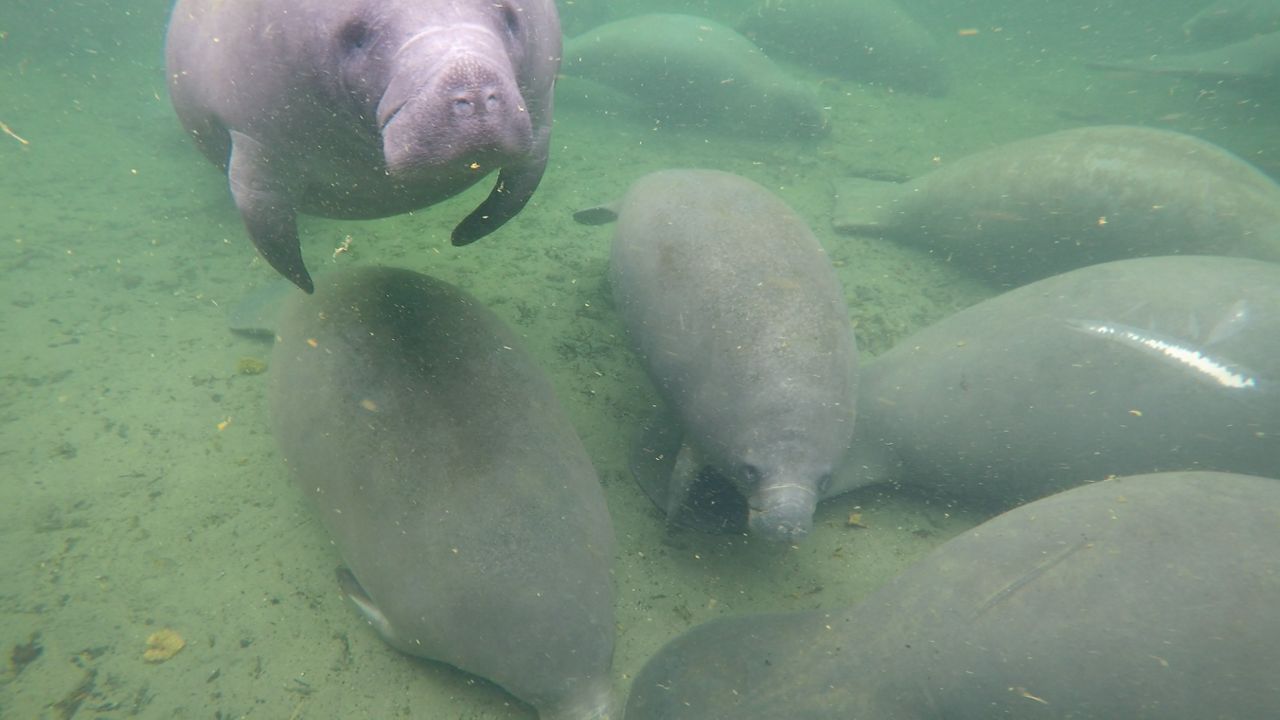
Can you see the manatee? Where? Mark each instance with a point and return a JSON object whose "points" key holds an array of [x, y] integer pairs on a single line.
{"points": [[1231, 20], [1048, 204], [1135, 366], [736, 311], [873, 41], [469, 518], [1142, 597], [694, 71], [365, 109], [1255, 61]]}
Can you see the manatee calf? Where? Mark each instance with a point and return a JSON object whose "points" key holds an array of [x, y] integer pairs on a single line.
{"points": [[1255, 60], [872, 41], [1143, 597], [743, 328], [1162, 363], [693, 71], [1048, 204], [365, 109], [1231, 20], [458, 494]]}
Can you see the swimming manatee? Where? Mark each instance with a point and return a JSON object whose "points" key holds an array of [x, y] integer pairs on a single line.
{"points": [[1255, 60], [461, 500], [691, 71], [872, 41], [365, 109], [1044, 205], [1135, 366], [1232, 20], [1142, 597], [742, 325]]}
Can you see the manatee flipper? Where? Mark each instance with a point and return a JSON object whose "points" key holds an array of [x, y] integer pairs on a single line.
{"points": [[267, 209], [354, 592], [509, 196], [707, 502]]}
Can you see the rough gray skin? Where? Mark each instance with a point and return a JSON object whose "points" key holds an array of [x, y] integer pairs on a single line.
{"points": [[1048, 204], [1231, 20], [365, 109], [452, 483], [872, 41], [1255, 60], [1154, 364], [743, 327], [1144, 597], [694, 71]]}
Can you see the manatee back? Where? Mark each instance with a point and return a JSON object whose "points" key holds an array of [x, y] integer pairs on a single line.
{"points": [[1100, 602], [450, 479]]}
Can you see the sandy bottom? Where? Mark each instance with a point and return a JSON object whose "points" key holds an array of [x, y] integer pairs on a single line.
{"points": [[140, 489]]}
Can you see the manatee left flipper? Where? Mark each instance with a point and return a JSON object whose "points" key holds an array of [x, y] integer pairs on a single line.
{"points": [[509, 196], [266, 207], [691, 495]]}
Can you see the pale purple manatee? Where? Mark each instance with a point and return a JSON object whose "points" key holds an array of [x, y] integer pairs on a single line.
{"points": [[1142, 597], [742, 325], [365, 109], [873, 41], [464, 505], [1044, 205], [1135, 366], [694, 72], [1255, 61]]}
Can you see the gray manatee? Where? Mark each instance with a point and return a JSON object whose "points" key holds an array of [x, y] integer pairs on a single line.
{"points": [[1254, 60], [694, 71], [741, 322], [1139, 598], [455, 488], [866, 40], [1048, 204], [365, 109], [1145, 365], [1231, 20]]}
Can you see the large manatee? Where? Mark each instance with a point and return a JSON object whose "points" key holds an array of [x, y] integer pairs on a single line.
{"points": [[1253, 60], [743, 328], [1231, 20], [458, 494], [1048, 204], [365, 109], [694, 71], [866, 40], [1139, 598], [1145, 365]]}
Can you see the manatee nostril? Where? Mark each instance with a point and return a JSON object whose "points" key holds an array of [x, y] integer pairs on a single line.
{"points": [[462, 105]]}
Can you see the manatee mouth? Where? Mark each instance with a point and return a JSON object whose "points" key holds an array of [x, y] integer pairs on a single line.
{"points": [[783, 512]]}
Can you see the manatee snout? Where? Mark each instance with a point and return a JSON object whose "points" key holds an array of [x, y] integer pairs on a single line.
{"points": [[468, 114], [782, 512]]}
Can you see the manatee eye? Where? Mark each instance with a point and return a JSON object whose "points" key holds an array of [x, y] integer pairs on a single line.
{"points": [[354, 36], [750, 477]]}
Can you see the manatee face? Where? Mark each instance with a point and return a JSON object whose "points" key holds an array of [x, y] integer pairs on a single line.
{"points": [[441, 84]]}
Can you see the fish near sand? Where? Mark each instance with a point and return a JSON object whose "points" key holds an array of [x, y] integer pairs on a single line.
{"points": [[1048, 204], [1141, 597], [742, 325], [365, 109], [1136, 366], [460, 498]]}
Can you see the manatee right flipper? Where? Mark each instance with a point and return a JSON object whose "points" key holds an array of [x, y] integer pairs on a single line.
{"points": [[691, 496], [354, 591], [258, 313], [266, 207], [509, 196]]}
